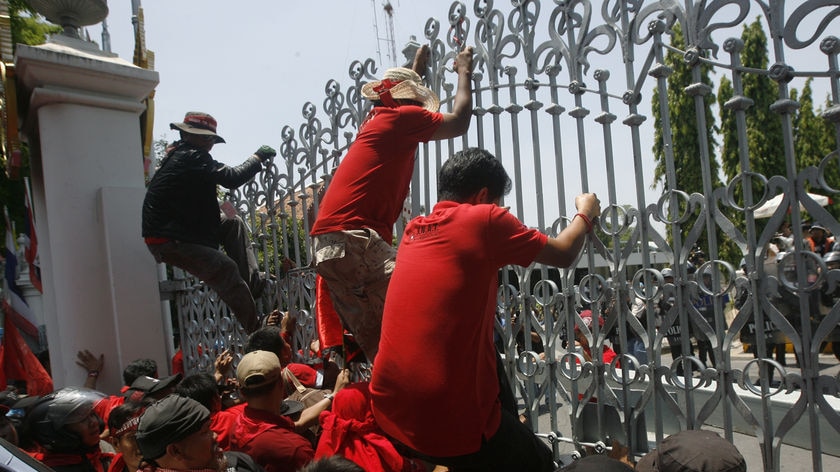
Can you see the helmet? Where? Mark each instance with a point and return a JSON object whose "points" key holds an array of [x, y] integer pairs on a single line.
{"points": [[690, 268], [667, 272], [48, 418], [833, 256]]}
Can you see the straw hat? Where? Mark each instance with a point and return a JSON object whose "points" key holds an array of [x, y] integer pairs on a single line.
{"points": [[401, 83]]}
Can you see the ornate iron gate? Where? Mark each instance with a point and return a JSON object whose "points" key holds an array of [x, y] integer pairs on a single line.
{"points": [[551, 81]]}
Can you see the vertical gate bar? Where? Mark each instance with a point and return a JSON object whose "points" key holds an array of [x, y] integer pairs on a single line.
{"points": [[661, 72], [739, 104], [556, 110], [808, 357]]}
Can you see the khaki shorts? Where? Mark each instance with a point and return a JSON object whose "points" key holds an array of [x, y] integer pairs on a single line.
{"points": [[357, 266]]}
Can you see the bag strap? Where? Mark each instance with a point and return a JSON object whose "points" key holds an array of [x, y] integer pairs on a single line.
{"points": [[290, 377]]}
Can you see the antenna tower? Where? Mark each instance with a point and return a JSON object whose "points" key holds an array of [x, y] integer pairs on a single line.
{"points": [[390, 40], [390, 37]]}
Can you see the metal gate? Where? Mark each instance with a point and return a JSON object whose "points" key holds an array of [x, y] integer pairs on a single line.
{"points": [[562, 94]]}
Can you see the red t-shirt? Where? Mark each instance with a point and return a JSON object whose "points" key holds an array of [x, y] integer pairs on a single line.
{"points": [[434, 386], [222, 423], [370, 185], [270, 440]]}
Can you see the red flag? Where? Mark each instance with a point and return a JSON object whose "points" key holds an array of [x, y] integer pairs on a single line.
{"points": [[2, 361], [19, 363]]}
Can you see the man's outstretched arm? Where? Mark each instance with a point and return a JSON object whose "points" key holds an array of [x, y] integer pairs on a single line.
{"points": [[458, 122], [562, 250]]}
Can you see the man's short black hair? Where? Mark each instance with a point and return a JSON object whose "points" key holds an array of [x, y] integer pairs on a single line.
{"points": [[201, 388], [268, 339], [122, 413], [332, 464], [467, 172], [139, 368]]}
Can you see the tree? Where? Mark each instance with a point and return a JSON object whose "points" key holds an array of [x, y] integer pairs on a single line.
{"points": [[764, 127], [814, 139], [27, 28], [729, 137], [684, 129], [685, 136], [764, 138]]}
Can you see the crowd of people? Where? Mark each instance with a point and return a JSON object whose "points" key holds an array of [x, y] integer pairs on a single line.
{"points": [[429, 404], [778, 262]]}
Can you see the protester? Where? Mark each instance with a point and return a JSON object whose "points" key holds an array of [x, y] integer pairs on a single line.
{"points": [[263, 430], [92, 364], [138, 368], [123, 427], [64, 424], [582, 341], [693, 450], [350, 430], [354, 225], [149, 388], [8, 431], [270, 338], [174, 436], [183, 224], [429, 393]]}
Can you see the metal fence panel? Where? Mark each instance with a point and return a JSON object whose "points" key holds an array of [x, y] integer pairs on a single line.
{"points": [[560, 96]]}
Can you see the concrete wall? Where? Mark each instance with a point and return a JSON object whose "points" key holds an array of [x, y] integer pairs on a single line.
{"points": [[100, 282]]}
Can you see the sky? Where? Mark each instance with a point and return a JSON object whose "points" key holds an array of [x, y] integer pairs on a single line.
{"points": [[254, 64]]}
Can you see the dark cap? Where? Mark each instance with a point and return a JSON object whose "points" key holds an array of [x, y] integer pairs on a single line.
{"points": [[693, 451], [597, 463], [168, 421], [291, 408], [145, 385]]}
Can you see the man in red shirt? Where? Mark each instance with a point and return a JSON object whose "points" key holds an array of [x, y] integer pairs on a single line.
{"points": [[428, 392], [353, 231], [262, 431]]}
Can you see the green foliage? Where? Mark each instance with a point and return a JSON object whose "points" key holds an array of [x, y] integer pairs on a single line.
{"points": [[814, 139], [686, 144], [764, 127], [295, 239], [686, 139], [27, 26]]}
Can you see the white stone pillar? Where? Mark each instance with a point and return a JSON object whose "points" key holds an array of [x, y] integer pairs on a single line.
{"points": [[100, 282]]}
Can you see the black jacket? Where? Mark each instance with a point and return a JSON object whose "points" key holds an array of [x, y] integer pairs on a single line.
{"points": [[181, 201]]}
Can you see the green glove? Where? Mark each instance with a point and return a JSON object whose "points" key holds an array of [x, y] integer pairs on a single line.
{"points": [[265, 153]]}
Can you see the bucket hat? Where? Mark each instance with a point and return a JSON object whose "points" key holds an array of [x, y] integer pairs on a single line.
{"points": [[196, 122]]}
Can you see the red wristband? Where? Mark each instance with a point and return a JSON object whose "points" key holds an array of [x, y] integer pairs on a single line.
{"points": [[587, 221]]}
